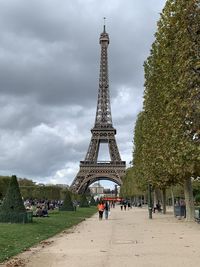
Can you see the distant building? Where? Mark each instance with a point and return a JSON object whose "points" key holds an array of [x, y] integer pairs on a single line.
{"points": [[97, 190], [107, 191]]}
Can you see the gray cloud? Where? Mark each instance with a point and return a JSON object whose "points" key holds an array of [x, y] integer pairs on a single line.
{"points": [[49, 67]]}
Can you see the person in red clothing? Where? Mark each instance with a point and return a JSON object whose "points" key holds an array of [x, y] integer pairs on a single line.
{"points": [[101, 207]]}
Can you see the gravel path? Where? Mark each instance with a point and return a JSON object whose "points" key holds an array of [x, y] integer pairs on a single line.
{"points": [[128, 238]]}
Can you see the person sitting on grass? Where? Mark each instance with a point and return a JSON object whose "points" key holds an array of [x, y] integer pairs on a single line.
{"points": [[38, 212], [44, 212]]}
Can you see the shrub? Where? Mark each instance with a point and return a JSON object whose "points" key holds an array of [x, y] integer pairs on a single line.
{"points": [[197, 198], [12, 209], [92, 201], [83, 202], [67, 204]]}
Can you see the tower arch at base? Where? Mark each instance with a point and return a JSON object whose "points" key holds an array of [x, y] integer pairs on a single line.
{"points": [[90, 180], [91, 171]]}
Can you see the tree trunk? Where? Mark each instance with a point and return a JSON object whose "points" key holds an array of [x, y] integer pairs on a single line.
{"points": [[189, 199], [155, 197], [145, 198], [164, 200], [172, 195]]}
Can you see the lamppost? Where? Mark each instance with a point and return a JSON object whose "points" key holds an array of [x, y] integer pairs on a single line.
{"points": [[150, 200]]}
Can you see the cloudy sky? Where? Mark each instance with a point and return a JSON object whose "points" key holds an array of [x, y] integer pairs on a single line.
{"points": [[49, 68]]}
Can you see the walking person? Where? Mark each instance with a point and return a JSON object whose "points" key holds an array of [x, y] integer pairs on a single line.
{"points": [[125, 204], [106, 210], [121, 205], [101, 209]]}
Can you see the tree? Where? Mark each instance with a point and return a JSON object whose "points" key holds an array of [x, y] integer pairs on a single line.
{"points": [[185, 104], [92, 201], [171, 127], [131, 186], [67, 204], [141, 173], [26, 188], [83, 201], [4, 183], [12, 209]]}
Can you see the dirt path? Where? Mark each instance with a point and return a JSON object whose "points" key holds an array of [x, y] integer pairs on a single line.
{"points": [[128, 238]]}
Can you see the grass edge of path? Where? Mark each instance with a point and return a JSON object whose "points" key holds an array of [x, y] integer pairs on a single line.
{"points": [[16, 238]]}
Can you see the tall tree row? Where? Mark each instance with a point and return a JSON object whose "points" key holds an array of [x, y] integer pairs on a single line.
{"points": [[167, 132]]}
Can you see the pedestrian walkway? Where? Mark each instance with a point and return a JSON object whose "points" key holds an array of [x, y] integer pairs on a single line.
{"points": [[127, 238]]}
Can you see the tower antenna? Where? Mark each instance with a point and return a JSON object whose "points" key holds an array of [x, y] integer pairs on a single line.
{"points": [[104, 24]]}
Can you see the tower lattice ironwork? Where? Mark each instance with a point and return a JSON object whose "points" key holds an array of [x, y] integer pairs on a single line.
{"points": [[103, 131]]}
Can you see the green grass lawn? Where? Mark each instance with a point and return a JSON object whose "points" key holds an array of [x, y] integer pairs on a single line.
{"points": [[15, 238]]}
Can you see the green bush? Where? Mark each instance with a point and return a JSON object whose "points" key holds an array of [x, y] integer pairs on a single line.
{"points": [[12, 209], [67, 203], [16, 217], [83, 202], [92, 201], [197, 198]]}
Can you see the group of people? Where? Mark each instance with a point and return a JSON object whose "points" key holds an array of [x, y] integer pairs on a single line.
{"points": [[124, 204], [40, 208], [103, 208], [35, 203], [41, 211]]}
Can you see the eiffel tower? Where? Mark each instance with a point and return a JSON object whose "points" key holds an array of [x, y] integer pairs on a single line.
{"points": [[91, 169]]}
